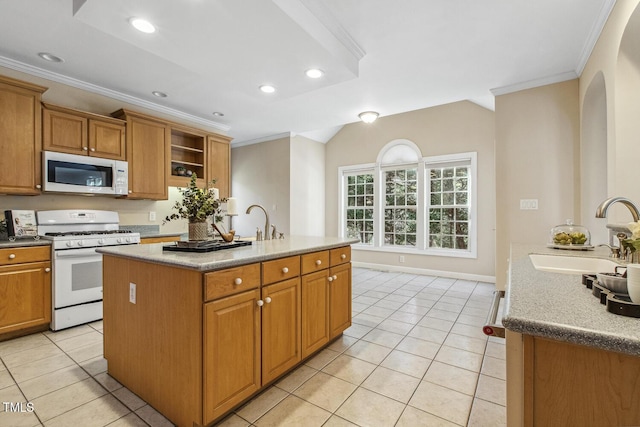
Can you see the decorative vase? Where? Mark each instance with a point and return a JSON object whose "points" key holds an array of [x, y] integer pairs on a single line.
{"points": [[198, 230]]}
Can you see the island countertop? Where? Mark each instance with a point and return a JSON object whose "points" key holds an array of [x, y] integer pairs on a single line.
{"points": [[216, 260], [559, 307]]}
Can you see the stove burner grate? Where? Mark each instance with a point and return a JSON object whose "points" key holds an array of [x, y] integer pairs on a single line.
{"points": [[616, 303]]}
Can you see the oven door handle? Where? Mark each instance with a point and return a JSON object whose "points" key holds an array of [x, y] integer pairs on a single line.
{"points": [[490, 327], [76, 253]]}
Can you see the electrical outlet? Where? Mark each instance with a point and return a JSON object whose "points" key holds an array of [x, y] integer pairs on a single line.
{"points": [[132, 293], [401, 258], [528, 204], [152, 216]]}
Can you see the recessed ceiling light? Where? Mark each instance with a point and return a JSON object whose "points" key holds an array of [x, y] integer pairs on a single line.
{"points": [[50, 57], [218, 114], [368, 116], [142, 25], [159, 94], [267, 88], [314, 73]]}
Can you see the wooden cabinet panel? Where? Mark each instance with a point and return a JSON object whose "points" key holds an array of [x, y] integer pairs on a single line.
{"points": [[340, 299], [64, 132], [280, 269], [20, 137], [11, 256], [231, 281], [147, 155], [107, 139], [219, 163], [340, 255], [163, 239], [25, 296], [315, 261], [315, 311], [232, 352], [280, 328]]}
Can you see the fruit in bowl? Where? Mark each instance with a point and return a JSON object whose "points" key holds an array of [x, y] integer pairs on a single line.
{"points": [[574, 238]]}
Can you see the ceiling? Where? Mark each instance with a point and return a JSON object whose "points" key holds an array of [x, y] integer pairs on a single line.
{"points": [[383, 55]]}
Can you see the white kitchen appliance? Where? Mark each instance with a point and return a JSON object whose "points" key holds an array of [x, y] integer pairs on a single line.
{"points": [[70, 173], [77, 267]]}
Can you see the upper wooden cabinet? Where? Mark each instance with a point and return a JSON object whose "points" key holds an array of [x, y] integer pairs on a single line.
{"points": [[219, 163], [20, 137], [148, 145], [188, 153], [77, 132]]}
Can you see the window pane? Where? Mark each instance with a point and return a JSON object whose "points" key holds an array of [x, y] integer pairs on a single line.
{"points": [[401, 195], [359, 209]]}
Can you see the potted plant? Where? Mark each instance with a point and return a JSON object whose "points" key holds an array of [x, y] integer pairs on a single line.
{"points": [[196, 206]]}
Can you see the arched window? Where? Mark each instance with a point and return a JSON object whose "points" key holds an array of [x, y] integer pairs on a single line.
{"points": [[409, 203]]}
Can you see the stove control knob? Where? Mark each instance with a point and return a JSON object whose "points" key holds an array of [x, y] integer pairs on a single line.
{"points": [[101, 241], [128, 239], [70, 243], [119, 240], [80, 242]]}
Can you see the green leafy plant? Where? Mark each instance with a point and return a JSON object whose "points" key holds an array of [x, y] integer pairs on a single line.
{"points": [[197, 204]]}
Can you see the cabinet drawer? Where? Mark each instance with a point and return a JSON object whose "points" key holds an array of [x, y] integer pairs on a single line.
{"points": [[231, 281], [340, 255], [315, 262], [12, 256], [280, 269]]}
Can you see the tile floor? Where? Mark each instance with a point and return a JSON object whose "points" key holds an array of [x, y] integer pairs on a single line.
{"points": [[415, 356]]}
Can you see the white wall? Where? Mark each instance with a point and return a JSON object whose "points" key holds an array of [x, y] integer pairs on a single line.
{"points": [[307, 189]]}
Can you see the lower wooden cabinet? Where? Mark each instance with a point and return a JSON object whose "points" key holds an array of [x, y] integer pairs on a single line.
{"points": [[25, 289], [340, 299], [315, 311]]}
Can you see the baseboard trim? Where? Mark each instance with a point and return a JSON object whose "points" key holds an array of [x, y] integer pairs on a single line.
{"points": [[425, 271]]}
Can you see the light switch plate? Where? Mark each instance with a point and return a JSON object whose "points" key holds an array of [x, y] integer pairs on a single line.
{"points": [[528, 204]]}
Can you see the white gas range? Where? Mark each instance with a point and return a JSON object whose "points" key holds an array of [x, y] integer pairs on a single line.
{"points": [[77, 267]]}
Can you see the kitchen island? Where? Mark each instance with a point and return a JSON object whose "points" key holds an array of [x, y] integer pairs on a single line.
{"points": [[198, 334], [569, 360]]}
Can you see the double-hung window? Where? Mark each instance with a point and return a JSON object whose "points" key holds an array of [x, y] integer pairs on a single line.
{"points": [[409, 203]]}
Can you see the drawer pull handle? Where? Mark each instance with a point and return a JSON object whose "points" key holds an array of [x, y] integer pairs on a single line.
{"points": [[93, 149], [47, 269], [343, 256], [12, 256], [330, 279], [285, 270], [238, 281], [267, 300], [84, 148], [260, 303], [318, 262], [335, 277], [38, 186]]}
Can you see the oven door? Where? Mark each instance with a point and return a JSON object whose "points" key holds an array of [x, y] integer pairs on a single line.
{"points": [[77, 277]]}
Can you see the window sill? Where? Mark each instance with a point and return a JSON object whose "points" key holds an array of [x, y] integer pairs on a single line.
{"points": [[413, 251]]}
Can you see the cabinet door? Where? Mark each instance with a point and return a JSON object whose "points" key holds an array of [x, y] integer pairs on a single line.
{"points": [[315, 311], [20, 136], [147, 154], [107, 140], [280, 328], [219, 163], [64, 132], [25, 296], [231, 352], [340, 296]]}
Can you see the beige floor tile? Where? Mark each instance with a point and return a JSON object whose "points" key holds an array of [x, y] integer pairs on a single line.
{"points": [[469, 330], [23, 343], [399, 298], [321, 359], [98, 326], [452, 377], [5, 379], [422, 348], [434, 323], [129, 399], [418, 310], [460, 358], [474, 345], [350, 369], [368, 351], [87, 352], [153, 417], [31, 355], [391, 305], [325, 391], [11, 394], [366, 408], [442, 315], [78, 341], [294, 412], [375, 294], [97, 413], [357, 307], [296, 378], [261, 404], [107, 381], [455, 308], [414, 417], [494, 367], [492, 389], [129, 420], [336, 421], [428, 334], [406, 363], [424, 303], [442, 402], [65, 399], [21, 415], [22, 373], [367, 320], [485, 413], [52, 381], [409, 318], [479, 312], [496, 350], [466, 319], [379, 311], [342, 343], [453, 300], [357, 331], [384, 338], [392, 384], [95, 366], [69, 333], [233, 421]]}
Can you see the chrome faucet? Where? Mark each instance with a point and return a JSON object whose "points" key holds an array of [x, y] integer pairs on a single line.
{"points": [[266, 215], [601, 212]]}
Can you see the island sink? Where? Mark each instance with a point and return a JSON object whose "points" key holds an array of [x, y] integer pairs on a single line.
{"points": [[571, 265]]}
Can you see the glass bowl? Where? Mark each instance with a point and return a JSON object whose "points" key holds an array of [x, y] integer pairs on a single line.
{"points": [[569, 234]]}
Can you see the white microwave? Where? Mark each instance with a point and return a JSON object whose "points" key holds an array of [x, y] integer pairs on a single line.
{"points": [[70, 173]]}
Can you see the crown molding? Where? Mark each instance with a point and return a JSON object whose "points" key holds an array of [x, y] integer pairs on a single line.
{"points": [[594, 34], [556, 78], [90, 87]]}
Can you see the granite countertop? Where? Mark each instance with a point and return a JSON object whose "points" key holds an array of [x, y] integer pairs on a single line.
{"points": [[216, 260], [23, 242], [558, 306]]}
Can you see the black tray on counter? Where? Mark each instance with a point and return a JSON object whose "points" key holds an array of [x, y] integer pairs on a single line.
{"points": [[205, 246]]}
